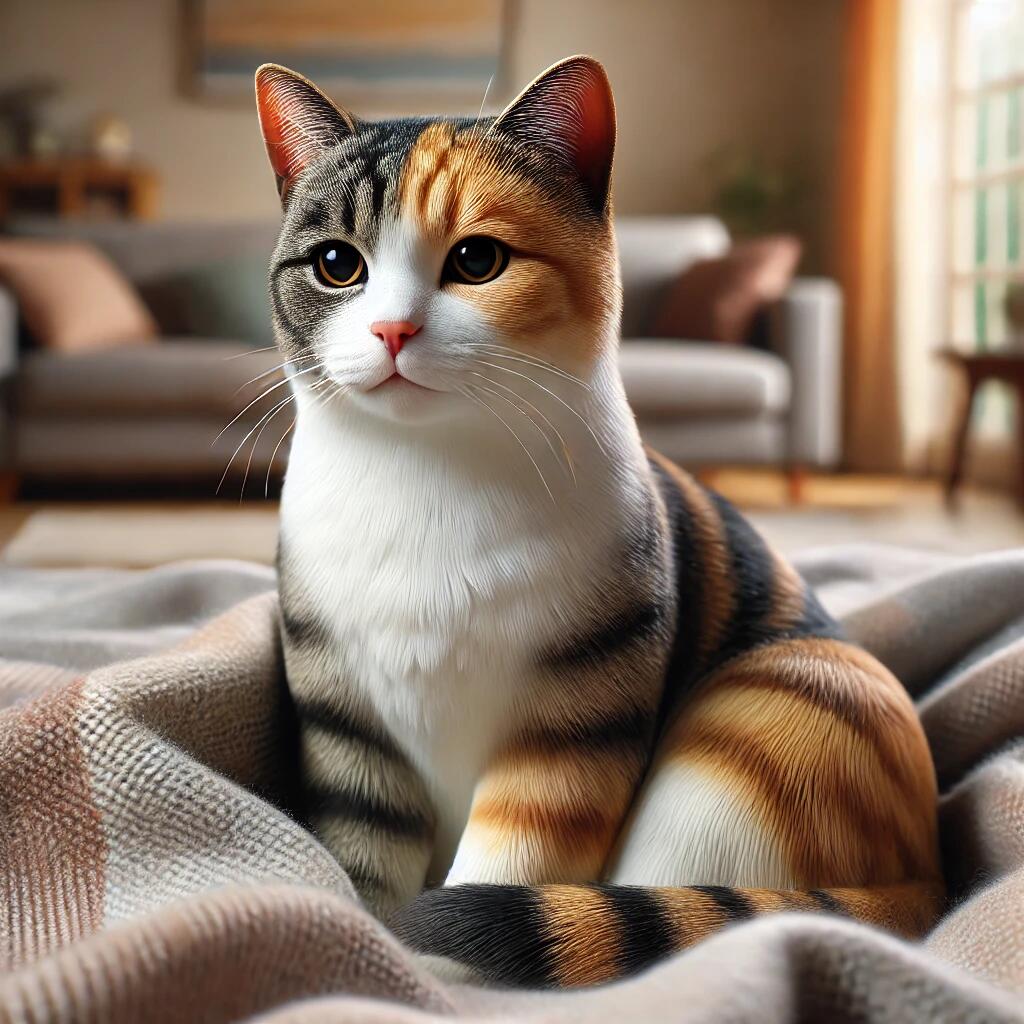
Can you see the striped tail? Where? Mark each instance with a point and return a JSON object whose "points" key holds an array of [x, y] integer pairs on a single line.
{"points": [[567, 935]]}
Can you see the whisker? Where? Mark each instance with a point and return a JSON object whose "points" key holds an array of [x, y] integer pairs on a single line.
{"points": [[266, 373], [565, 448], [249, 352], [479, 401], [557, 398], [284, 401], [261, 396], [266, 483], [255, 445], [501, 351], [483, 102]]}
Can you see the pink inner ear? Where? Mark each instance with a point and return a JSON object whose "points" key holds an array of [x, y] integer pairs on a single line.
{"points": [[298, 122], [595, 137]]}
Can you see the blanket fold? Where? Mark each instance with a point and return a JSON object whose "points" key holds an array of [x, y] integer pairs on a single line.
{"points": [[150, 869]]}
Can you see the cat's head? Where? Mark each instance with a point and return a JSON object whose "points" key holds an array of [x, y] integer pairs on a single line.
{"points": [[422, 263]]}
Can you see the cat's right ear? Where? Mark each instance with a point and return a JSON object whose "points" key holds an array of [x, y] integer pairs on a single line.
{"points": [[297, 120]]}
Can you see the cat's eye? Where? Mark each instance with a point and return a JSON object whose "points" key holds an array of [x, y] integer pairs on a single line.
{"points": [[476, 260], [339, 265]]}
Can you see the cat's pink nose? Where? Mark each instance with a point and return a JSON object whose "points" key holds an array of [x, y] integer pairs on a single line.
{"points": [[394, 333]]}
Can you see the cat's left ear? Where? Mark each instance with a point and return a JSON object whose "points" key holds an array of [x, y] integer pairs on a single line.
{"points": [[569, 111], [297, 120]]}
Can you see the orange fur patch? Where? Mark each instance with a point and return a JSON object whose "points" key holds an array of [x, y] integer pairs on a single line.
{"points": [[560, 287]]}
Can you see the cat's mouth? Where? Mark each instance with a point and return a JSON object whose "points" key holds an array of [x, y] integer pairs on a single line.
{"points": [[396, 381]]}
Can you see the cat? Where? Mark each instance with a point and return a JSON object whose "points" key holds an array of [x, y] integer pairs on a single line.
{"points": [[562, 711]]}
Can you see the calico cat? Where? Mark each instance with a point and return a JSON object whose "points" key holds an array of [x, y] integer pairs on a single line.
{"points": [[537, 668]]}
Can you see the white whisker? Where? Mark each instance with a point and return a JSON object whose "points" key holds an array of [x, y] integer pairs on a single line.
{"points": [[479, 401], [255, 445], [266, 373], [249, 352], [284, 401], [557, 398], [502, 352], [261, 396], [566, 454], [270, 466]]}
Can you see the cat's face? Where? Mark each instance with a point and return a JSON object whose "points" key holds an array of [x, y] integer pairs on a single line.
{"points": [[423, 264]]}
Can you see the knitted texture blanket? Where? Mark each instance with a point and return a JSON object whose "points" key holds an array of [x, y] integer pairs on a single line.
{"points": [[149, 870]]}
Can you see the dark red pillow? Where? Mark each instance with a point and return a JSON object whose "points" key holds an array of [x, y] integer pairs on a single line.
{"points": [[718, 300]]}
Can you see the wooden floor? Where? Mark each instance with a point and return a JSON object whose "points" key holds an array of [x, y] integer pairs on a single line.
{"points": [[838, 509]]}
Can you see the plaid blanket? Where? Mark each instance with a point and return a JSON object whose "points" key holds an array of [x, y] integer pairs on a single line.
{"points": [[149, 873]]}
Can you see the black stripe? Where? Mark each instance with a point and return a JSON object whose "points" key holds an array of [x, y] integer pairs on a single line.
{"points": [[499, 930], [646, 932], [732, 902], [827, 902], [378, 187], [304, 631], [632, 728], [688, 579], [753, 572], [400, 823], [314, 216], [597, 645], [342, 725]]}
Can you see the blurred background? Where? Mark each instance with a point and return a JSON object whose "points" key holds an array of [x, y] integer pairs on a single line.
{"points": [[819, 206]]}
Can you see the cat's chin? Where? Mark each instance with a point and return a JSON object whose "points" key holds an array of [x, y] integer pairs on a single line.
{"points": [[402, 401]]}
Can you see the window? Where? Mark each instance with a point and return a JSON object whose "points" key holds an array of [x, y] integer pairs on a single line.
{"points": [[987, 176]]}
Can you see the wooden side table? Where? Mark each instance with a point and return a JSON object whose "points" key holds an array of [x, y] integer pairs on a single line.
{"points": [[73, 186], [1005, 364]]}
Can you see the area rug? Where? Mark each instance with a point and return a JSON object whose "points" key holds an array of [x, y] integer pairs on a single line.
{"points": [[149, 873], [139, 538]]}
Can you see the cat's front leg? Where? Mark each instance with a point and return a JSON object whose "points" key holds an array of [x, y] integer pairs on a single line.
{"points": [[552, 801], [364, 799]]}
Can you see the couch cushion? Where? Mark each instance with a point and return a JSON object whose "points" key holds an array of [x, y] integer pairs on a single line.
{"points": [[685, 379], [173, 376], [718, 299], [653, 252], [71, 297]]}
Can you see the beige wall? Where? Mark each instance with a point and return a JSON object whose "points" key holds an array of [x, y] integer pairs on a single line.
{"points": [[690, 77]]}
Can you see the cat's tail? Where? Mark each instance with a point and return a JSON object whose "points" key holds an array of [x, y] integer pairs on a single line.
{"points": [[566, 935]]}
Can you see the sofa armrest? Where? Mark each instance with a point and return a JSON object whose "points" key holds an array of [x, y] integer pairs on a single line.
{"points": [[806, 329]]}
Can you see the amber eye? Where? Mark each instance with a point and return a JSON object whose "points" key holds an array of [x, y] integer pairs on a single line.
{"points": [[340, 265], [476, 260]]}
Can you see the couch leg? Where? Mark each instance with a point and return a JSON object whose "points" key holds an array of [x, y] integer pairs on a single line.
{"points": [[796, 484]]}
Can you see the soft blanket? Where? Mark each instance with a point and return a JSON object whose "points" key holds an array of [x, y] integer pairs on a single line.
{"points": [[149, 873]]}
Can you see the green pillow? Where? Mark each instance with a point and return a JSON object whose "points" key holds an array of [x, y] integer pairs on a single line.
{"points": [[227, 299]]}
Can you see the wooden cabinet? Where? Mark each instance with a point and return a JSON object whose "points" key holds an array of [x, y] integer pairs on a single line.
{"points": [[77, 187]]}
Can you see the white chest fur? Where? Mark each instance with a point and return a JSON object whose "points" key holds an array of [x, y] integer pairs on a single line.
{"points": [[440, 567]]}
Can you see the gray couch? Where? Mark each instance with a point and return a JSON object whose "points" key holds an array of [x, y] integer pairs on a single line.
{"points": [[149, 412]]}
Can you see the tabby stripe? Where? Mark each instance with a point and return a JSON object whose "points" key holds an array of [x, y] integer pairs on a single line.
{"points": [[717, 601], [500, 930], [710, 741], [315, 216], [598, 645], [827, 902], [629, 729], [753, 568], [766, 670], [313, 711], [304, 631], [363, 810], [733, 904], [646, 931], [686, 559]]}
